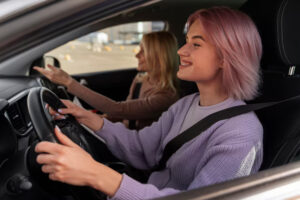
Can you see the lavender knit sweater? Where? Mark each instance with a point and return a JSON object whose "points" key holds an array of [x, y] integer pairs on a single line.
{"points": [[228, 149]]}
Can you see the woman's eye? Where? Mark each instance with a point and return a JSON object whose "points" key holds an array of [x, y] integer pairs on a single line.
{"points": [[196, 45]]}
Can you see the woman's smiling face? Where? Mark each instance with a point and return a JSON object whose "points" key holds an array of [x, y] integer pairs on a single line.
{"points": [[199, 61]]}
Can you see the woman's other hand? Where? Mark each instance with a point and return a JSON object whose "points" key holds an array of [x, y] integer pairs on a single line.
{"points": [[68, 163], [83, 116], [55, 75]]}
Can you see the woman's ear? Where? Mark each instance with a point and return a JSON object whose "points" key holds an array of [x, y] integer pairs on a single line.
{"points": [[220, 59], [221, 63]]}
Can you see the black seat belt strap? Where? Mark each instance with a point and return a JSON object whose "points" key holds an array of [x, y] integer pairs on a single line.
{"points": [[135, 95], [195, 130]]}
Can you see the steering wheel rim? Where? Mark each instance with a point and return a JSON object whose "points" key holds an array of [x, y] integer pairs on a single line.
{"points": [[43, 124]]}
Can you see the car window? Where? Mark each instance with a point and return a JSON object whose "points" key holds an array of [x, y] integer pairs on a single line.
{"points": [[111, 48]]}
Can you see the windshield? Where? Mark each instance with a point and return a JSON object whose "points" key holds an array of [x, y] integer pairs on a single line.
{"points": [[15, 7]]}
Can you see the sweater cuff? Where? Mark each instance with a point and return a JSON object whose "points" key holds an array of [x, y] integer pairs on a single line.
{"points": [[108, 126], [105, 127], [128, 190]]}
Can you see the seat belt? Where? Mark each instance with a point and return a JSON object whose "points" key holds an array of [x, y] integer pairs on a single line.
{"points": [[200, 126], [135, 95]]}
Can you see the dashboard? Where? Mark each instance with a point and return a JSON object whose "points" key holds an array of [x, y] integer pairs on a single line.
{"points": [[17, 132], [20, 175]]}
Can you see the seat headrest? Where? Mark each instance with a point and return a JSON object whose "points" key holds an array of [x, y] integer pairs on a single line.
{"points": [[278, 22]]}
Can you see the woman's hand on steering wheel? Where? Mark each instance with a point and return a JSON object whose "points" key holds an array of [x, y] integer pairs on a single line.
{"points": [[69, 163], [89, 119], [64, 162]]}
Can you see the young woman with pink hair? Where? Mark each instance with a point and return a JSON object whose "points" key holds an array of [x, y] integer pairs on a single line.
{"points": [[222, 55]]}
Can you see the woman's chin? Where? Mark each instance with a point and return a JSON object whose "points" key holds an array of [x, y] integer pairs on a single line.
{"points": [[181, 76], [184, 77]]}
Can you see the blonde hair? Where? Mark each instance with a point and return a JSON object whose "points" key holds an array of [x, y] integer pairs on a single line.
{"points": [[161, 57]]}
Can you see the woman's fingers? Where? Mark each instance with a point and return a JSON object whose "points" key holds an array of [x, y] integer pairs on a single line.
{"points": [[54, 113], [45, 72], [52, 68], [71, 109], [68, 103], [48, 168], [45, 158], [64, 139], [47, 147]]}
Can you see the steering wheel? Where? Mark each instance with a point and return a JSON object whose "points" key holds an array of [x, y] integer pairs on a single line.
{"points": [[44, 124]]}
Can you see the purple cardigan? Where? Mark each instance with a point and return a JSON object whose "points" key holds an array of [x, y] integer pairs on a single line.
{"points": [[228, 149]]}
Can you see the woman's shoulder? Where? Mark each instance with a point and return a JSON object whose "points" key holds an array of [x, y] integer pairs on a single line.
{"points": [[246, 127]]}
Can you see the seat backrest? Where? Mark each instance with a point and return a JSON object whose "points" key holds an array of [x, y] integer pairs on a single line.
{"points": [[278, 23]]}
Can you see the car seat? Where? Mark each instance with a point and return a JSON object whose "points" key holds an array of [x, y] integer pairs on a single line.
{"points": [[278, 24]]}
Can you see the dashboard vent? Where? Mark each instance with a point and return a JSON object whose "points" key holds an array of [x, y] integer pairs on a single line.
{"points": [[16, 118]]}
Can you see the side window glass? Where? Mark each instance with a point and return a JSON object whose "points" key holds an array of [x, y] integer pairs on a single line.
{"points": [[111, 48]]}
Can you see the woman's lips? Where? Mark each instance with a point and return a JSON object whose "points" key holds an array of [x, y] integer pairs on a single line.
{"points": [[185, 64]]}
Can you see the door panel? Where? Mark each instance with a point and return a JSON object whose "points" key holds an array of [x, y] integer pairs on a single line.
{"points": [[113, 84]]}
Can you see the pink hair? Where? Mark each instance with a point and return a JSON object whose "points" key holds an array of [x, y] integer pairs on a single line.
{"points": [[238, 45]]}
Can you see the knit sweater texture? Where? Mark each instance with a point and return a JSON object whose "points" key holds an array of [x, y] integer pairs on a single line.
{"points": [[229, 149]]}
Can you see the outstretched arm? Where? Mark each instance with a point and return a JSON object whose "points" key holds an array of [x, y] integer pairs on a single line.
{"points": [[142, 108]]}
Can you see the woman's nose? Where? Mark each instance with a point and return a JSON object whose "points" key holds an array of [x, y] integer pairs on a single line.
{"points": [[183, 51], [137, 55]]}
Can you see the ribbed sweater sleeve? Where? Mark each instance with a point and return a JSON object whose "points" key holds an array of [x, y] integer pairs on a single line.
{"points": [[141, 149], [228, 149], [131, 189], [221, 163], [138, 109]]}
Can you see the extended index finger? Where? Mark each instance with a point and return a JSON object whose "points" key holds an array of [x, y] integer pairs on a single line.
{"points": [[52, 67], [42, 71]]}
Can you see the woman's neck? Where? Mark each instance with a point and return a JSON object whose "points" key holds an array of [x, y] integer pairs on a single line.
{"points": [[152, 79], [211, 95], [209, 100]]}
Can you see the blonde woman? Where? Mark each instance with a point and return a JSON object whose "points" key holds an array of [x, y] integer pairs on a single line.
{"points": [[158, 90]]}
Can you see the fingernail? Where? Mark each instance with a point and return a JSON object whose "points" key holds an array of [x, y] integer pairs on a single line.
{"points": [[57, 128], [59, 110]]}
